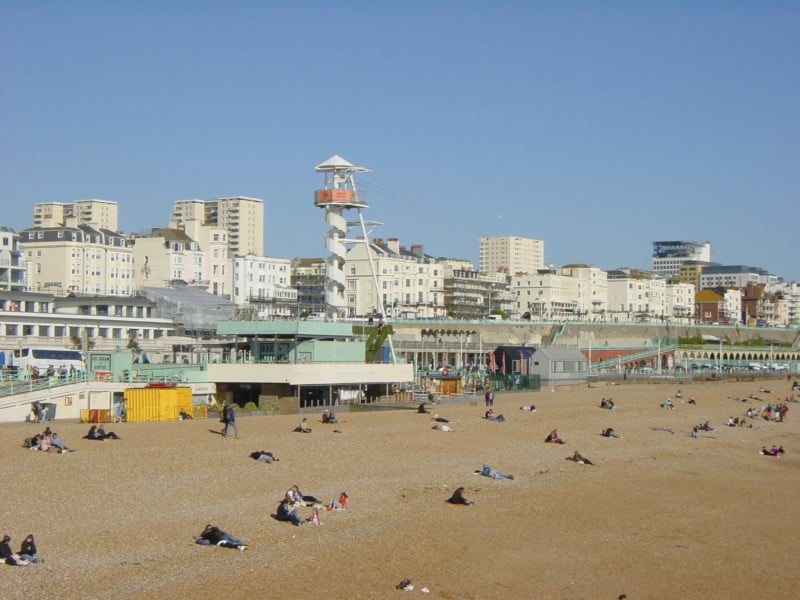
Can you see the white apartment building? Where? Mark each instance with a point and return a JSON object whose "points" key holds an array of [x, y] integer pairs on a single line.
{"points": [[240, 216], [545, 295], [574, 292], [167, 256], [680, 301], [635, 295], [410, 283], [511, 255], [790, 298], [77, 259], [100, 214], [12, 265], [213, 241], [731, 311], [591, 289], [263, 282], [668, 256]]}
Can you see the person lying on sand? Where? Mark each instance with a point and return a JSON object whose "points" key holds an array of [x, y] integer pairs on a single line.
{"points": [[488, 471], [263, 456], [580, 459], [214, 536]]}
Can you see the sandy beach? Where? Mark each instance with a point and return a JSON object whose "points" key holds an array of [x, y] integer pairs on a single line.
{"points": [[659, 515]]}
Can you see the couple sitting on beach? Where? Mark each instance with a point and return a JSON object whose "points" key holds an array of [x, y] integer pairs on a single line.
{"points": [[99, 434], [609, 404], [329, 417], [553, 438]]}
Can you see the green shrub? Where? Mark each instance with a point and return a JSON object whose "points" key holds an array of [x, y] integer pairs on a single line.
{"points": [[250, 406]]}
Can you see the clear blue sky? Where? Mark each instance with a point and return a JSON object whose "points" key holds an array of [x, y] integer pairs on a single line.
{"points": [[597, 127]]}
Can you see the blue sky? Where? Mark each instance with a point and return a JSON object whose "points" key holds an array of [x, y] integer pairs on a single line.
{"points": [[597, 127]]}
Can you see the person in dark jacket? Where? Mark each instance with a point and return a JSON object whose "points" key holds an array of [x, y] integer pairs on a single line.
{"points": [[92, 434], [263, 456], [288, 512], [8, 555], [101, 432], [213, 535], [458, 498], [230, 421], [27, 550]]}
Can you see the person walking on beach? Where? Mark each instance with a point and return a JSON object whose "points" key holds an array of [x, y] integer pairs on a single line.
{"points": [[230, 421]]}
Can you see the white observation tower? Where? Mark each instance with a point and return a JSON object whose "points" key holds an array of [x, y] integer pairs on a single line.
{"points": [[338, 195]]}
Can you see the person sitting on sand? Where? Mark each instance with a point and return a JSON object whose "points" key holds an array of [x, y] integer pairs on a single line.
{"points": [[46, 444], [439, 419], [679, 394], [691, 401], [329, 417], [92, 434], [422, 410], [490, 416], [27, 550], [57, 442], [442, 427], [706, 426], [184, 416], [8, 556], [608, 404], [609, 433], [298, 498], [303, 426], [458, 498], [553, 438], [667, 404], [107, 436], [288, 512], [263, 456], [32, 443], [314, 518], [338, 504], [214, 536], [580, 459], [530, 407], [488, 471]]}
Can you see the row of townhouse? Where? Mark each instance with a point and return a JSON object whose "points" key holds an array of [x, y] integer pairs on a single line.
{"points": [[414, 285], [86, 261], [216, 246], [80, 259]]}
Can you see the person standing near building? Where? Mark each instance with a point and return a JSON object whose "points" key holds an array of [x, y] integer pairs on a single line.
{"points": [[230, 421]]}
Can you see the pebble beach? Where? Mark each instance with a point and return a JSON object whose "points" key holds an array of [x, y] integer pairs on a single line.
{"points": [[660, 514]]}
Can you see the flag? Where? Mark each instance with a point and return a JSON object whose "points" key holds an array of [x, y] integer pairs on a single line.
{"points": [[492, 362], [521, 362], [503, 367]]}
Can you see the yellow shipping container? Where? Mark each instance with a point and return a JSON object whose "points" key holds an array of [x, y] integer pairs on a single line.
{"points": [[157, 403]]}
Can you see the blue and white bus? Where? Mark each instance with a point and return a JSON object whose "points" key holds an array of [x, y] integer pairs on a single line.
{"points": [[56, 361]]}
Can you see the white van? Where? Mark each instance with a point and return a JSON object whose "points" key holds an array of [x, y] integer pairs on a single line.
{"points": [[494, 318]]}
